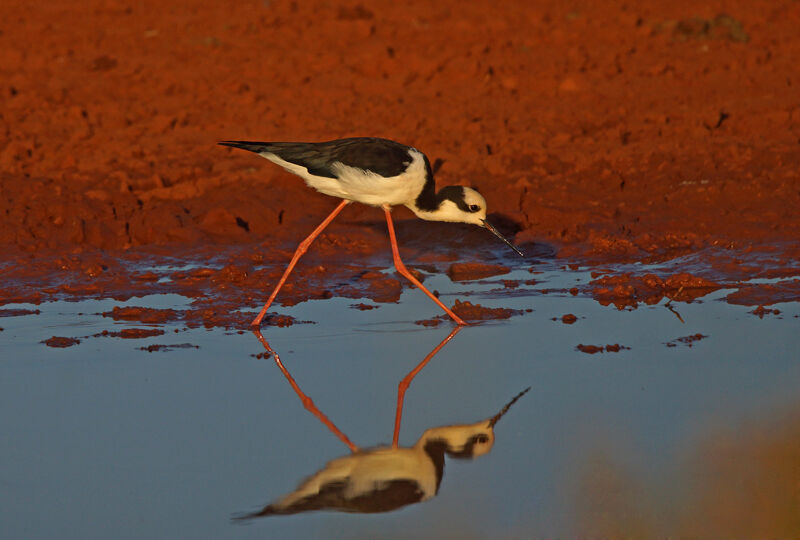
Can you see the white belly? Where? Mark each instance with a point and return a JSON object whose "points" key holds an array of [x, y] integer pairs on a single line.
{"points": [[362, 186]]}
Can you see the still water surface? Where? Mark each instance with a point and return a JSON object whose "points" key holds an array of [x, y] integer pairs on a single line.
{"points": [[104, 440]]}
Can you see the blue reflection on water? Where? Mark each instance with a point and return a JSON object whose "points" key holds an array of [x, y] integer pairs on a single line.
{"points": [[105, 440]]}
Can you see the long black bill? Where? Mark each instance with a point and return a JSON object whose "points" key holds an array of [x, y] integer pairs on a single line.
{"points": [[501, 237], [493, 420]]}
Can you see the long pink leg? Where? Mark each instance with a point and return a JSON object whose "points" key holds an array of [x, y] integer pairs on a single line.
{"points": [[297, 254], [308, 403], [406, 382], [403, 270]]}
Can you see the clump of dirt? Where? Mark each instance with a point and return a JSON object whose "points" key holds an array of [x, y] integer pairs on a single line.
{"points": [[760, 311], [142, 314], [472, 312], [594, 349], [279, 320], [166, 348], [429, 322], [470, 271], [476, 312], [686, 340], [363, 307], [61, 342], [627, 290], [132, 333]]}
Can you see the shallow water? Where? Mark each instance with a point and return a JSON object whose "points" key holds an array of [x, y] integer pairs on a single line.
{"points": [[103, 439]]}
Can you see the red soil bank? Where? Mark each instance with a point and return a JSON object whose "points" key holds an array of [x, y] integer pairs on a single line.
{"points": [[607, 130]]}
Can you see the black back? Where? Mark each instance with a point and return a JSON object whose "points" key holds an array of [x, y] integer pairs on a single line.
{"points": [[381, 156]]}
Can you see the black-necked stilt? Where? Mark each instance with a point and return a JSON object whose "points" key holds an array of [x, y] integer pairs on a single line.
{"points": [[377, 172], [384, 478]]}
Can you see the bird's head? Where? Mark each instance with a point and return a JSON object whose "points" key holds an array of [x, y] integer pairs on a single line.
{"points": [[465, 205], [464, 441], [460, 204], [467, 441]]}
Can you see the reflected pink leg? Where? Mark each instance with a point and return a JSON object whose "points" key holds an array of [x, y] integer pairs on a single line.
{"points": [[297, 254], [403, 270], [404, 384], [308, 403]]}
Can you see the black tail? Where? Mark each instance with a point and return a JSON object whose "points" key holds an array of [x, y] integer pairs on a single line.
{"points": [[240, 518], [251, 146]]}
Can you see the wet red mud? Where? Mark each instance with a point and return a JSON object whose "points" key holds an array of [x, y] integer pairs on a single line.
{"points": [[61, 342], [766, 294], [132, 333], [569, 318], [471, 271], [626, 290], [602, 133], [473, 313], [760, 311], [140, 314]]}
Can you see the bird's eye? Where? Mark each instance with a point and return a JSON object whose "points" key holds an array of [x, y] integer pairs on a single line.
{"points": [[482, 438], [474, 208]]}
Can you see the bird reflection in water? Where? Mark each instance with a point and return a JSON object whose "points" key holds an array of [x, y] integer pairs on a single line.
{"points": [[384, 478]]}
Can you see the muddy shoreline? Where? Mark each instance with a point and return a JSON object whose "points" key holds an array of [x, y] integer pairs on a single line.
{"points": [[600, 136]]}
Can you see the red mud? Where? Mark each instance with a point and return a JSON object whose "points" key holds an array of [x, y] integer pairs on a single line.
{"points": [[766, 294], [470, 271], [473, 312], [144, 315], [606, 132], [476, 312], [132, 333], [625, 290], [760, 311], [61, 342]]}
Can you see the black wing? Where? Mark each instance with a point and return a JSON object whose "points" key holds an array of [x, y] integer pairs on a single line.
{"points": [[381, 156], [392, 495]]}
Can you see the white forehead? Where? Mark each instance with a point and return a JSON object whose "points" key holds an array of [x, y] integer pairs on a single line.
{"points": [[473, 197]]}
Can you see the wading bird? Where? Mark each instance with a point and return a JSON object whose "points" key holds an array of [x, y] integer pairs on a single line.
{"points": [[376, 172], [385, 478]]}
